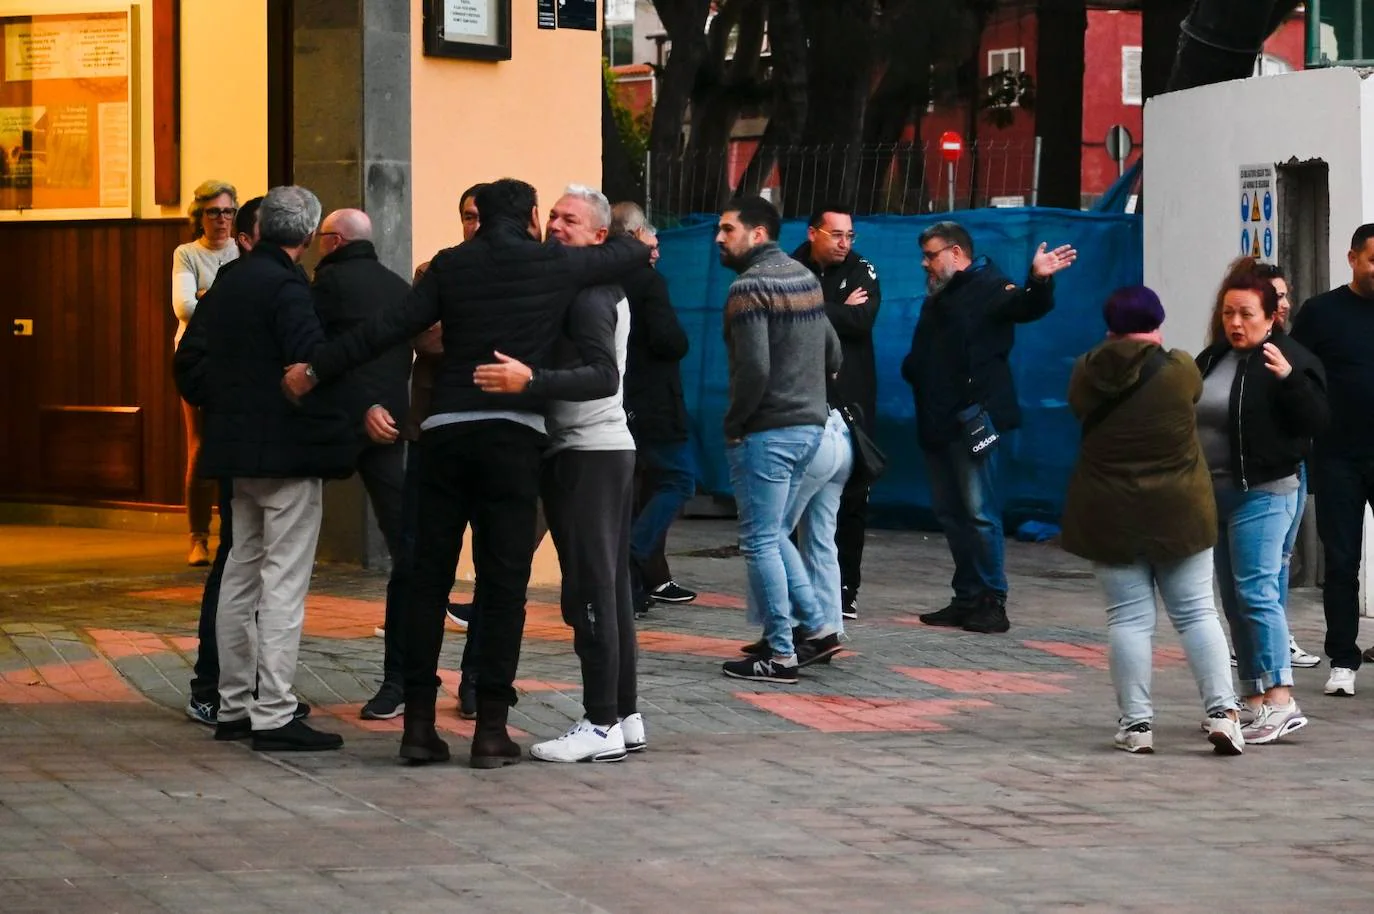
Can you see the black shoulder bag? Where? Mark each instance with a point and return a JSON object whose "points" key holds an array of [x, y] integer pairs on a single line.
{"points": [[1104, 409], [869, 461]]}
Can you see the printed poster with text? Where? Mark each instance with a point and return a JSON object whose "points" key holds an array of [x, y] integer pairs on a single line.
{"points": [[64, 111]]}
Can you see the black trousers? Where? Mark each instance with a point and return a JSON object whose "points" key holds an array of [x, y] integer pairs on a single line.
{"points": [[588, 498], [402, 567], [1343, 489], [382, 468], [851, 523], [484, 474], [205, 678]]}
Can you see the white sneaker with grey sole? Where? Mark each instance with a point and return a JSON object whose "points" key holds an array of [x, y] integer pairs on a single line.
{"points": [[632, 729], [1341, 682], [585, 742]]}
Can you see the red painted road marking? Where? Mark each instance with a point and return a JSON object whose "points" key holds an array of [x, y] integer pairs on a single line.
{"points": [[830, 714], [988, 682]]}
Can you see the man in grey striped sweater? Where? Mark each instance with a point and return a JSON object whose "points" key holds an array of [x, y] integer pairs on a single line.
{"points": [[781, 349]]}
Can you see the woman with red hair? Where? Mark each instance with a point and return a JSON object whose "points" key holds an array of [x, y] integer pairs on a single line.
{"points": [[1263, 398]]}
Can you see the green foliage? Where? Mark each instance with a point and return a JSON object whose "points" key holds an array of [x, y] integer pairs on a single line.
{"points": [[633, 129], [1002, 93]]}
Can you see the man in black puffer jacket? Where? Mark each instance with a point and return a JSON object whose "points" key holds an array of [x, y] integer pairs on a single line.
{"points": [[500, 296], [350, 286], [259, 318], [959, 361]]}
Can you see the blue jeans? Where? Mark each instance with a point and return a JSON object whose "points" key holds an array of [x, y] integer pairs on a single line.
{"points": [[1186, 587], [766, 470], [967, 498], [1251, 527], [675, 482], [1291, 540], [814, 516]]}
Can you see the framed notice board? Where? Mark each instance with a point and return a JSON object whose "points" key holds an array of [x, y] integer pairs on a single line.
{"points": [[66, 125]]}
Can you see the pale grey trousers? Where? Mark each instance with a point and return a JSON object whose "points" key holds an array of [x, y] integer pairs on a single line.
{"points": [[262, 597]]}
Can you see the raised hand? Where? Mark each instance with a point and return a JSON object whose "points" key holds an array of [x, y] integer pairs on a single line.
{"points": [[1046, 263]]}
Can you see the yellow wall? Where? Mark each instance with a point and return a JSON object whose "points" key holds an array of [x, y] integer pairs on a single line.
{"points": [[536, 117], [223, 100]]}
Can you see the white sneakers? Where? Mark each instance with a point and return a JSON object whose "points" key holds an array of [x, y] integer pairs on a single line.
{"points": [[1342, 682], [1225, 735], [632, 728], [585, 742], [588, 742]]}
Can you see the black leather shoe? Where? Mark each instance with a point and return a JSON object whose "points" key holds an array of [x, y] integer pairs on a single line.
{"points": [[954, 615], [989, 617], [296, 736], [229, 730]]}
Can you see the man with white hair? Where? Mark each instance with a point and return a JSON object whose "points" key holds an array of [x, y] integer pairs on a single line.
{"points": [[588, 490], [278, 454], [350, 286]]}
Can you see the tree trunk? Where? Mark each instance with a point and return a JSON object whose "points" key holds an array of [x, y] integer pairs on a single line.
{"points": [[787, 41], [685, 23], [1063, 25], [1161, 21], [618, 173]]}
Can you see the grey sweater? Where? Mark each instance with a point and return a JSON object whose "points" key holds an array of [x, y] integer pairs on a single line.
{"points": [[780, 343], [590, 360]]}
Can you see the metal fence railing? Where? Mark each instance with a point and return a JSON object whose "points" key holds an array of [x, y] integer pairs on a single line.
{"points": [[901, 179]]}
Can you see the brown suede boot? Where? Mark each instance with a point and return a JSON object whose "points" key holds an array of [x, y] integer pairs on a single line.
{"points": [[492, 746], [420, 742]]}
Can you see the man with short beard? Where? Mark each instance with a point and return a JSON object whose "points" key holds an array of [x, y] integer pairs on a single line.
{"points": [[959, 364], [781, 350]]}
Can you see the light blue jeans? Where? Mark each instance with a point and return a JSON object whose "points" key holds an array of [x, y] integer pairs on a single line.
{"points": [[1290, 541], [766, 471], [1186, 588], [1251, 529], [814, 513]]}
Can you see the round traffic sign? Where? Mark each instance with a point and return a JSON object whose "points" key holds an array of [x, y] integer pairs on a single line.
{"points": [[1119, 143], [951, 146]]}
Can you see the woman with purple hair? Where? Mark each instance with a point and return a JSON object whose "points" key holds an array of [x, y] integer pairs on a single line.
{"points": [[1140, 508]]}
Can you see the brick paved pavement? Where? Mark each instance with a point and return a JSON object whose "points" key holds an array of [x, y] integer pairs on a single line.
{"points": [[927, 770]]}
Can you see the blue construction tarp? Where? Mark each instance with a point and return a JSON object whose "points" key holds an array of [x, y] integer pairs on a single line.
{"points": [[1040, 456]]}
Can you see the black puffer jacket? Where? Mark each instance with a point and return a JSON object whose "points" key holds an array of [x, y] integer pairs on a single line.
{"points": [[653, 377], [1272, 421], [254, 321], [350, 286], [858, 380], [961, 348], [501, 291]]}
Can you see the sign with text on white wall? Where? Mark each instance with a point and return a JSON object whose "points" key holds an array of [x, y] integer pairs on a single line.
{"points": [[1259, 212]]}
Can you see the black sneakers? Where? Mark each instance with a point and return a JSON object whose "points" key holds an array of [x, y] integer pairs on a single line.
{"points": [[817, 650], [389, 702], [849, 603], [296, 736], [989, 616], [672, 592], [761, 671], [954, 615]]}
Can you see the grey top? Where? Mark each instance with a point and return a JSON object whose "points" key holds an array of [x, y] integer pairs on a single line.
{"points": [[194, 267], [1214, 428], [780, 343], [601, 312]]}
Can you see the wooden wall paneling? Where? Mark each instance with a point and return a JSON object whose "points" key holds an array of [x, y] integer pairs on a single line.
{"points": [[167, 102], [100, 298], [92, 450]]}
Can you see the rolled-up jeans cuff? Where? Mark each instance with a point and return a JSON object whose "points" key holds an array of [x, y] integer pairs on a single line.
{"points": [[1279, 679]]}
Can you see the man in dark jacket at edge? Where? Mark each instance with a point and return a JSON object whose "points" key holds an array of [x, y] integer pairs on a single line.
{"points": [[959, 361], [350, 286], [258, 318], [852, 298], [503, 292], [658, 419]]}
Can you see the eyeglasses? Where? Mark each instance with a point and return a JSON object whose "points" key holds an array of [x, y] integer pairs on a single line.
{"points": [[838, 236], [335, 234], [216, 212], [928, 256]]}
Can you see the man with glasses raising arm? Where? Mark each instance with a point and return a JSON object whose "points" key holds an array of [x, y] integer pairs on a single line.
{"points": [[852, 296], [960, 373]]}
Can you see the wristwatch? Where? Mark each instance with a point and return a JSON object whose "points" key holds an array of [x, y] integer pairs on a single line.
{"points": [[529, 385], [310, 371]]}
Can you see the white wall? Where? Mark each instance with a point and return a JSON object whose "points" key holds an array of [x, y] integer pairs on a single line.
{"points": [[1198, 141]]}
